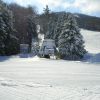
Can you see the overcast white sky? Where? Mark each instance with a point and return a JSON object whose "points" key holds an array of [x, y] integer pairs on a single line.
{"points": [[90, 7]]}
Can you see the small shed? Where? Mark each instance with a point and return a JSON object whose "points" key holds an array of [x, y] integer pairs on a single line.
{"points": [[24, 48]]}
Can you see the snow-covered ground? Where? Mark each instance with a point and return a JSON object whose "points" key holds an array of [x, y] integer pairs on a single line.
{"points": [[92, 45], [34, 78], [92, 40]]}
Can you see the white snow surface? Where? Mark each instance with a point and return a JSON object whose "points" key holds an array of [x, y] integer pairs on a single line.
{"points": [[92, 45], [34, 78], [92, 40]]}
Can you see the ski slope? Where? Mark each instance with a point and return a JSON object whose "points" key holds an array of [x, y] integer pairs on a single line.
{"points": [[34, 78], [92, 41], [92, 45]]}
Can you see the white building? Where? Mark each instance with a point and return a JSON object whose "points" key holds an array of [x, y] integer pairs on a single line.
{"points": [[47, 48]]}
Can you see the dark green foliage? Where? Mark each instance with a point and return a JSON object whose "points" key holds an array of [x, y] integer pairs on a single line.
{"points": [[2, 35], [88, 22], [46, 11], [51, 28], [21, 17], [7, 38], [32, 31], [11, 45]]}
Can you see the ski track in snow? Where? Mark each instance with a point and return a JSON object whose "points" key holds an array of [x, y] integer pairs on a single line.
{"points": [[34, 78]]}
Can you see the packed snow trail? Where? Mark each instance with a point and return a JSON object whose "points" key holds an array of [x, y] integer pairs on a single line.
{"points": [[44, 79]]}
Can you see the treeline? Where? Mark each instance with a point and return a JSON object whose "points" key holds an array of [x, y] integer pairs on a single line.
{"points": [[24, 22], [88, 22], [17, 25], [64, 29], [9, 43]]}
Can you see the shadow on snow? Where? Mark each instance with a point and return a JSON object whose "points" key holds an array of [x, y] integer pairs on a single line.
{"points": [[92, 58], [3, 58], [89, 57]]}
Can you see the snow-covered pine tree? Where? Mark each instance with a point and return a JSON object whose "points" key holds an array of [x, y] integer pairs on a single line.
{"points": [[10, 42], [54, 27], [51, 28], [58, 27], [2, 35], [70, 41]]}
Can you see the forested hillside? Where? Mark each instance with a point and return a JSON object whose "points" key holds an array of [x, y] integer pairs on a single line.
{"points": [[88, 22]]}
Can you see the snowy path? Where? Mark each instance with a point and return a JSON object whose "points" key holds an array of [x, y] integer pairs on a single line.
{"points": [[42, 79]]}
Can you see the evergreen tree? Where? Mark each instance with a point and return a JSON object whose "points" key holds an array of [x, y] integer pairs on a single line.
{"points": [[46, 11], [70, 41], [32, 31], [55, 27], [46, 19], [7, 32], [58, 28], [2, 35], [51, 28]]}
